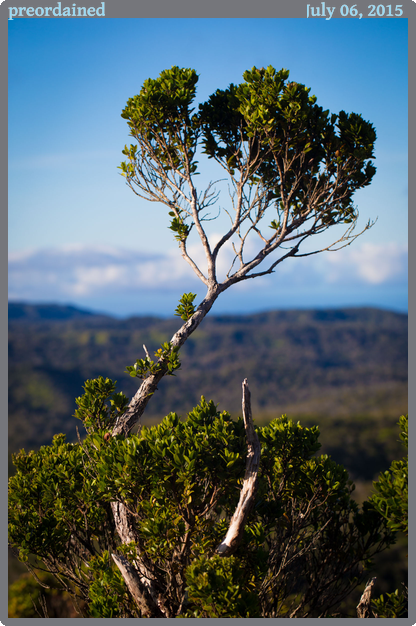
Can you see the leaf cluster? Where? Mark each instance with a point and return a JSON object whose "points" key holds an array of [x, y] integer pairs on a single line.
{"points": [[167, 360], [267, 132], [186, 308], [161, 116], [391, 489], [282, 120], [100, 405], [390, 605], [180, 482], [178, 226], [221, 588], [106, 589]]}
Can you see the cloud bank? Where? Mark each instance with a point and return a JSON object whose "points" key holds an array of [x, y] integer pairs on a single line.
{"points": [[86, 275]]}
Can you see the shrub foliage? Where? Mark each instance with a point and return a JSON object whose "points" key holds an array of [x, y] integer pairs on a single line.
{"points": [[306, 542]]}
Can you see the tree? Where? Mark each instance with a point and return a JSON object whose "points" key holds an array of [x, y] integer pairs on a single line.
{"points": [[193, 528], [292, 169]]}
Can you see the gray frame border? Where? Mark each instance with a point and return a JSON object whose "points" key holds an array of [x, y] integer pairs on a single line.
{"points": [[189, 9]]}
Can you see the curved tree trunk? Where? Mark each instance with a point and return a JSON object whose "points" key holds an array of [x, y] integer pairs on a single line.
{"points": [[148, 387]]}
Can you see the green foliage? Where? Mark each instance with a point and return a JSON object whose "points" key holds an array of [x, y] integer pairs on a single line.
{"points": [[186, 308], [221, 588], [391, 501], [106, 589], [178, 226], [391, 490], [168, 360], [100, 406], [275, 225], [390, 605], [279, 117], [181, 480], [250, 127], [49, 496], [162, 109], [173, 469]]}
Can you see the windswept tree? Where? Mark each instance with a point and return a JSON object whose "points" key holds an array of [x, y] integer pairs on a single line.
{"points": [[292, 170], [211, 517]]}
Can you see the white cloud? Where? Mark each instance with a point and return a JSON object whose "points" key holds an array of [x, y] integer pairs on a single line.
{"points": [[371, 263], [79, 271]]}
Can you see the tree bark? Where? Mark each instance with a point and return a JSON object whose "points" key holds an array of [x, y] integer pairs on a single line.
{"points": [[132, 580], [148, 387], [138, 578], [364, 605], [248, 492]]}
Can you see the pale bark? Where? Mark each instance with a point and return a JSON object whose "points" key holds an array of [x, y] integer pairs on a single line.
{"points": [[138, 577], [364, 605], [248, 492], [132, 580], [149, 385]]}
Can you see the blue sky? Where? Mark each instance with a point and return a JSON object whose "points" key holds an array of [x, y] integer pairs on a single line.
{"points": [[77, 234]]}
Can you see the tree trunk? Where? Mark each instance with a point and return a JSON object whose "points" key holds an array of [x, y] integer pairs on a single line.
{"points": [[139, 579], [148, 387]]}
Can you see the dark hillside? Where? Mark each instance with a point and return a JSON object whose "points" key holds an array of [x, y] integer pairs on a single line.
{"points": [[27, 312], [326, 365]]}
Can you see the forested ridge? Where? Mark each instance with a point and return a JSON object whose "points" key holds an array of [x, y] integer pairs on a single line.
{"points": [[322, 365]]}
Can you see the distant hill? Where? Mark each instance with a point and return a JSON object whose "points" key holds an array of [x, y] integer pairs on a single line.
{"points": [[36, 312], [335, 364]]}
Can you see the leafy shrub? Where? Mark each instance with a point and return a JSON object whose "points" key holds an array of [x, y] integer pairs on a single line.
{"points": [[180, 483]]}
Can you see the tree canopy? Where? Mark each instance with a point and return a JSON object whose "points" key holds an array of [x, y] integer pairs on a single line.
{"points": [[279, 149]]}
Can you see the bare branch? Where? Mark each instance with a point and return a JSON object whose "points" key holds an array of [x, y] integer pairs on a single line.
{"points": [[192, 263], [248, 492], [364, 605]]}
